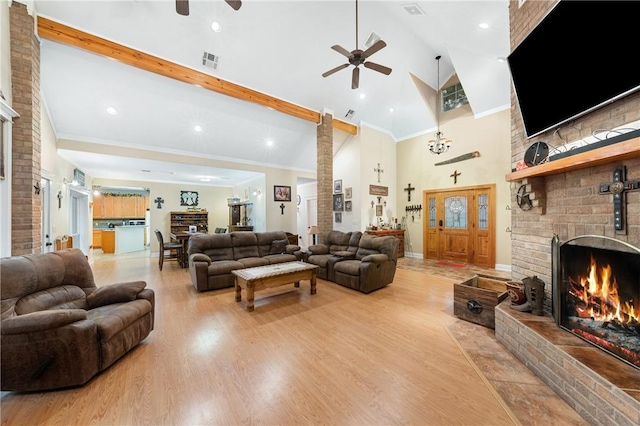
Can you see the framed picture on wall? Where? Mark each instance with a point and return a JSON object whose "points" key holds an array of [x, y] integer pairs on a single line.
{"points": [[338, 202], [347, 206], [338, 217], [337, 186], [281, 193], [188, 198], [347, 193]]}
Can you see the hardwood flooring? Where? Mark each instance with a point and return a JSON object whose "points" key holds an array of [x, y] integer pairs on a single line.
{"points": [[395, 356]]}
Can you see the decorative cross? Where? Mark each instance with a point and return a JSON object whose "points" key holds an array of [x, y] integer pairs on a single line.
{"points": [[372, 203], [159, 201], [282, 206], [378, 170], [455, 176], [618, 187], [59, 199], [409, 189]]}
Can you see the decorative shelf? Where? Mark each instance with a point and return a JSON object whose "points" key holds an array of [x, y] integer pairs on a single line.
{"points": [[606, 154]]}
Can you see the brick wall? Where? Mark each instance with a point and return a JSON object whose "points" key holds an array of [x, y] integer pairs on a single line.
{"points": [[25, 80], [325, 173], [572, 205]]}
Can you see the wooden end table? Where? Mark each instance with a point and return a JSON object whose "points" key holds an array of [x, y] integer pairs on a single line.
{"points": [[262, 277]]}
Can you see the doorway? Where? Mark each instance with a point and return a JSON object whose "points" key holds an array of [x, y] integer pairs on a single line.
{"points": [[460, 225], [79, 219]]}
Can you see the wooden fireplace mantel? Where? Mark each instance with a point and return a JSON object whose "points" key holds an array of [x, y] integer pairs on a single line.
{"points": [[606, 154]]}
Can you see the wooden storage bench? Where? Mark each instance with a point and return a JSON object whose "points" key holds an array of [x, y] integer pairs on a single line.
{"points": [[475, 299]]}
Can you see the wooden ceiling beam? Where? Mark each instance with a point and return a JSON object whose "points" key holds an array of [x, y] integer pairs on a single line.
{"points": [[55, 31]]}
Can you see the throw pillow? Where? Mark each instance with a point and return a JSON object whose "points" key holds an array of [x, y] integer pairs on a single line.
{"points": [[278, 246], [115, 293]]}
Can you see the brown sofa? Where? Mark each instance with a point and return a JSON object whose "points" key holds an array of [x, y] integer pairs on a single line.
{"points": [[57, 328], [212, 257], [358, 261]]}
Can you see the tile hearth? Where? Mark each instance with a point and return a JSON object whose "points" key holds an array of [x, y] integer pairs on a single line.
{"points": [[601, 388]]}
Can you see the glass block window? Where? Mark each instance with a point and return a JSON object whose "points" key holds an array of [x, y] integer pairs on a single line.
{"points": [[455, 212], [483, 211], [432, 212], [453, 97]]}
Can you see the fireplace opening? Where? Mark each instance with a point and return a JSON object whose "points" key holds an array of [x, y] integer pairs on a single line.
{"points": [[597, 293]]}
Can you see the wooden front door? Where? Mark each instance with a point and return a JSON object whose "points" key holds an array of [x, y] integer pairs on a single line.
{"points": [[459, 225]]}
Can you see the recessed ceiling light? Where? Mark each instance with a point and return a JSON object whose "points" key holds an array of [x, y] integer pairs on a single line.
{"points": [[502, 59], [197, 128], [205, 179], [483, 25], [216, 26], [391, 109], [362, 96], [269, 143], [112, 111]]}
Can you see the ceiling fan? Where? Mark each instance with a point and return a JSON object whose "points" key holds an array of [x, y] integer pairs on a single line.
{"points": [[359, 57], [182, 6]]}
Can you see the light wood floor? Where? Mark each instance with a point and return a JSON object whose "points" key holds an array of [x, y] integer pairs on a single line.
{"points": [[337, 357]]}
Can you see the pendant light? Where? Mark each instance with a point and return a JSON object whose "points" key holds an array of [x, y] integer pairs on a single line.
{"points": [[439, 144]]}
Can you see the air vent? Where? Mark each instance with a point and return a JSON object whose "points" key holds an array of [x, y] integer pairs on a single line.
{"points": [[349, 114], [413, 9], [210, 60]]}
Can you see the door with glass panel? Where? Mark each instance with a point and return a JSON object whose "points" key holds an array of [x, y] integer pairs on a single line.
{"points": [[459, 225]]}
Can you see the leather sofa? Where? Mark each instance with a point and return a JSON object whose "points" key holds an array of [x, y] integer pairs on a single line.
{"points": [[355, 260], [57, 328], [213, 257]]}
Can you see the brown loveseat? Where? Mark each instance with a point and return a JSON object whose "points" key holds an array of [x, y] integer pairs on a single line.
{"points": [[359, 261], [212, 257], [58, 329]]}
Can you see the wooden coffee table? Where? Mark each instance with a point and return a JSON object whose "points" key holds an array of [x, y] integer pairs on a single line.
{"points": [[261, 277]]}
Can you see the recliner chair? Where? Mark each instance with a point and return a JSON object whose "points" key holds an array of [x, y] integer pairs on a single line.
{"points": [[57, 328]]}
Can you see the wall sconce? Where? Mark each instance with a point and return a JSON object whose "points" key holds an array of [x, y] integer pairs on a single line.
{"points": [[314, 230], [256, 193]]}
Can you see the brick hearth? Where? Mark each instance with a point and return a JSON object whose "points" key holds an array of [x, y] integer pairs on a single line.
{"points": [[600, 387]]}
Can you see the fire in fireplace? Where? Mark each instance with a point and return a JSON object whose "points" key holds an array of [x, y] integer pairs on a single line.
{"points": [[597, 293]]}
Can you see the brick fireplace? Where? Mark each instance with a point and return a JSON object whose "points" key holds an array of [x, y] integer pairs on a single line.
{"points": [[568, 204]]}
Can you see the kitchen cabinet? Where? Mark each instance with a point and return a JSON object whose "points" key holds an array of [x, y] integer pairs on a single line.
{"points": [[109, 241], [115, 207], [97, 239]]}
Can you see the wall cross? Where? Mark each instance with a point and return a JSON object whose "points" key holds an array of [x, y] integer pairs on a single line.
{"points": [[282, 206], [159, 201], [618, 187], [455, 176], [378, 170], [409, 189]]}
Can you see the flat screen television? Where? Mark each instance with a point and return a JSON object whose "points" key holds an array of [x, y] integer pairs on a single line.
{"points": [[582, 56]]}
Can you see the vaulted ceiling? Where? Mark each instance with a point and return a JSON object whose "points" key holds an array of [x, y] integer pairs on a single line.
{"points": [[278, 49]]}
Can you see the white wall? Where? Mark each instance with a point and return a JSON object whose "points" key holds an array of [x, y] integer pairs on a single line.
{"points": [[257, 211]]}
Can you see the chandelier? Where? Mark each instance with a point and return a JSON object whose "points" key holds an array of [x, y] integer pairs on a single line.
{"points": [[439, 144]]}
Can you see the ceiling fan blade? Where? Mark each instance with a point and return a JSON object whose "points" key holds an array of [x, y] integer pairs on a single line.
{"points": [[373, 49], [355, 79], [341, 50], [336, 69], [377, 67], [182, 7], [235, 4]]}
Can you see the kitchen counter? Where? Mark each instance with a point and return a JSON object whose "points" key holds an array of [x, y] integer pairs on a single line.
{"points": [[129, 238]]}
